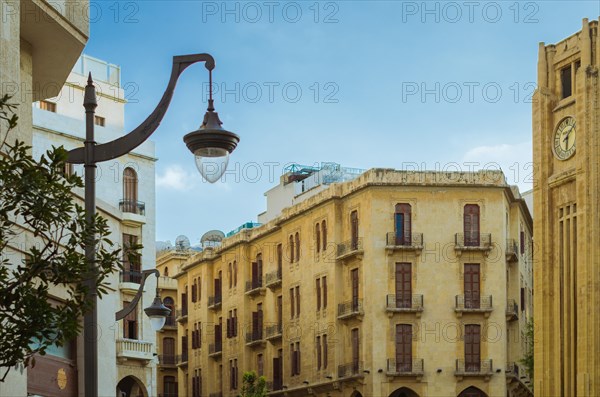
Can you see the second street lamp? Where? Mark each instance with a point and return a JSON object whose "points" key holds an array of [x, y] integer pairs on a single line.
{"points": [[211, 146]]}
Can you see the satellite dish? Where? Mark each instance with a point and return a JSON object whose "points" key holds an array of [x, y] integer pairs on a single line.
{"points": [[182, 243], [212, 238]]}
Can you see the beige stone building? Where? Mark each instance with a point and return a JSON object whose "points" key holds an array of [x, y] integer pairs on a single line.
{"points": [[565, 199], [391, 284]]}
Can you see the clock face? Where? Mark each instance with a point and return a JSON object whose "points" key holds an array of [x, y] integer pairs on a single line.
{"points": [[564, 139]]}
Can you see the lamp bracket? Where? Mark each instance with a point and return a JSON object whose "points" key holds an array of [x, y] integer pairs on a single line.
{"points": [[121, 314], [126, 143]]}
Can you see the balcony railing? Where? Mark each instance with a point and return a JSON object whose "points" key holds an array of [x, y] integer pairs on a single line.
{"points": [[131, 276], [274, 331], [473, 241], [512, 250], [512, 370], [134, 349], [132, 207], [214, 301], [398, 368], [273, 279], [412, 241], [349, 248], [512, 310], [255, 336], [473, 368], [353, 369], [181, 313], [255, 286], [275, 385], [215, 349], [404, 303], [167, 359], [350, 309], [482, 303], [170, 321]]}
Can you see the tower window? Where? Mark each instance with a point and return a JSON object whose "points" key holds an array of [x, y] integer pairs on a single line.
{"points": [[101, 121], [565, 79], [48, 106]]}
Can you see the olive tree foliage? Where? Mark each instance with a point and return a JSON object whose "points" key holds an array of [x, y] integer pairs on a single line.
{"points": [[253, 385], [42, 238]]}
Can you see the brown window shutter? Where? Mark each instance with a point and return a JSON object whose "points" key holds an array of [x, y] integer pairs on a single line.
{"points": [[318, 285]]}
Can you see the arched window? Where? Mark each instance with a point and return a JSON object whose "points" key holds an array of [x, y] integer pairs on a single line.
{"points": [[471, 225], [324, 234], [130, 191], [291, 248], [166, 272], [230, 275], [235, 273], [318, 237], [403, 224], [297, 246], [170, 304], [354, 229]]}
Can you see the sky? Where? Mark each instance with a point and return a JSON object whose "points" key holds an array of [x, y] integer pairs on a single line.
{"points": [[436, 85]]}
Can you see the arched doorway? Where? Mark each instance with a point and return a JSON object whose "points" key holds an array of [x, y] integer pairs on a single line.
{"points": [[404, 392], [131, 386], [472, 392]]}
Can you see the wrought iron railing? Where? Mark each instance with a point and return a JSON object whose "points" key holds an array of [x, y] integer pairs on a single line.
{"points": [[132, 206], [170, 321], [183, 357], [412, 240], [273, 331], [214, 300], [131, 276], [404, 301], [215, 348], [254, 284], [273, 278], [254, 335], [349, 246], [512, 309], [350, 308], [275, 385], [512, 369], [182, 312], [512, 249], [482, 367], [354, 368], [167, 359], [473, 240], [482, 302], [414, 366]]}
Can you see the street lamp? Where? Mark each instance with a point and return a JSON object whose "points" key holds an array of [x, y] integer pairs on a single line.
{"points": [[211, 146]]}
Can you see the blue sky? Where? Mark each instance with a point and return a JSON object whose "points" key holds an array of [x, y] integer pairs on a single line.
{"points": [[437, 85]]}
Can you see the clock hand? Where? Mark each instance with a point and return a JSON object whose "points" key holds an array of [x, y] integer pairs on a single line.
{"points": [[566, 138]]}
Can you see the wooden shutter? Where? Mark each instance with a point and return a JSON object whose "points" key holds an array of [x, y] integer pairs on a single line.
{"points": [[471, 286], [279, 258], [254, 325], [354, 229], [292, 360], [403, 348], [324, 234], [522, 299], [324, 292], [471, 225], [354, 279], [318, 237], [472, 347], [319, 352], [254, 274], [292, 306], [291, 249], [298, 301], [279, 311], [318, 285], [355, 351], [522, 238], [260, 324], [298, 362], [276, 372], [325, 359], [297, 246], [403, 285], [403, 224]]}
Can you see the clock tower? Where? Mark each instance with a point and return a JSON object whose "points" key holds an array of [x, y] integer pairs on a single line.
{"points": [[566, 155]]}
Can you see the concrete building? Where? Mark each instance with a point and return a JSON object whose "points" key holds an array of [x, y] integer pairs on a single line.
{"points": [[40, 42], [390, 284], [567, 231], [125, 194]]}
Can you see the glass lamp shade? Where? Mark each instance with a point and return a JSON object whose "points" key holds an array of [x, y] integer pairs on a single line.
{"points": [[211, 162], [157, 312], [211, 146]]}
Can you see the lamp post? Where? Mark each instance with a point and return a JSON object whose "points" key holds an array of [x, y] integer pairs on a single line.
{"points": [[209, 144]]}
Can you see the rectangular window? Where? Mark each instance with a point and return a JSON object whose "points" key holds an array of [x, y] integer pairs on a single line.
{"points": [[48, 106], [403, 285], [298, 366], [279, 257], [522, 237], [325, 351], [354, 230], [131, 261], [319, 352], [292, 306], [318, 284], [522, 299], [355, 351], [472, 348], [472, 286], [130, 324], [298, 301], [100, 121], [324, 291], [403, 348], [565, 79], [260, 366]]}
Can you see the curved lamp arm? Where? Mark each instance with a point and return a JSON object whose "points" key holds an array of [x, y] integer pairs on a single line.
{"points": [[121, 314], [128, 142]]}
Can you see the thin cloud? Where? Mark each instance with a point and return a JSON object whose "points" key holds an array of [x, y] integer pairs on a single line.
{"points": [[175, 178]]}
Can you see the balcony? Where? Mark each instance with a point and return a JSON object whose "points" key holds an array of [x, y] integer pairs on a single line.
{"points": [[350, 309], [483, 304], [400, 369], [274, 332], [214, 302], [404, 304], [473, 242], [255, 338], [351, 370], [255, 287], [130, 281], [393, 242], [182, 315], [518, 381], [182, 359], [512, 310], [512, 250], [167, 360], [274, 385], [273, 279], [167, 283], [215, 349], [350, 249], [481, 368], [170, 322], [134, 212], [133, 349]]}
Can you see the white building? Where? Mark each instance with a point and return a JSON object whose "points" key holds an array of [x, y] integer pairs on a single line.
{"points": [[126, 196]]}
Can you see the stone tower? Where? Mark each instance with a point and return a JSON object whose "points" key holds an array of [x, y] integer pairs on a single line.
{"points": [[566, 153]]}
